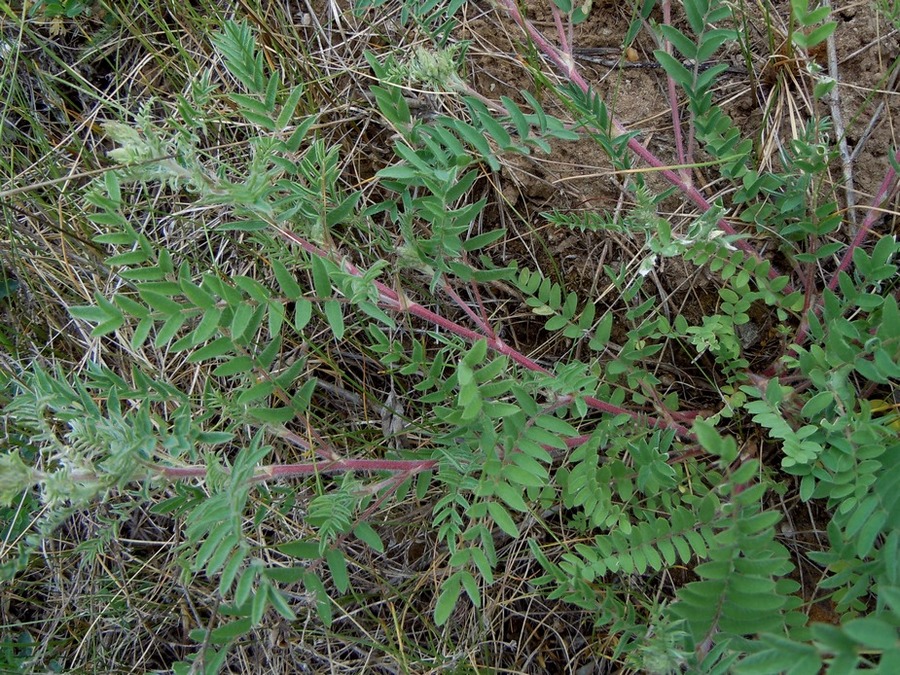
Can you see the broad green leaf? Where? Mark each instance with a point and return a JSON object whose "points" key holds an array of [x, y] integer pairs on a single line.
{"points": [[873, 632]]}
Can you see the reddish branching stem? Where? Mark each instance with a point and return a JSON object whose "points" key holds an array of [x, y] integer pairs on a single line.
{"points": [[885, 190], [392, 300], [683, 155], [634, 145]]}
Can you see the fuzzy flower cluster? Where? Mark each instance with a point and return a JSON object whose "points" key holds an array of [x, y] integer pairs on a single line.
{"points": [[436, 70]]}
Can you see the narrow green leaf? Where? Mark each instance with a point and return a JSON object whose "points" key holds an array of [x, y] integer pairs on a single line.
{"points": [[132, 258], [365, 533], [338, 567], [168, 330], [334, 313], [286, 280], [446, 601], [304, 550], [280, 415], [240, 322], [471, 587], [256, 392], [502, 518], [109, 326], [259, 603], [229, 631], [482, 240], [682, 76], [290, 105], [556, 425], [141, 332], [302, 313], [342, 211], [250, 103], [197, 295], [215, 349], [511, 495], [230, 571], [158, 301], [680, 41], [321, 282]]}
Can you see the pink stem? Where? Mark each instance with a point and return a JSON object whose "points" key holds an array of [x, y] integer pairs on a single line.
{"points": [[885, 190], [564, 43], [477, 320], [634, 145], [390, 299], [673, 99], [887, 187]]}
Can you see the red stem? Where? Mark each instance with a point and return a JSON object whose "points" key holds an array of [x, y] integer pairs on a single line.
{"points": [[390, 299], [885, 190], [673, 99], [887, 187], [634, 145]]}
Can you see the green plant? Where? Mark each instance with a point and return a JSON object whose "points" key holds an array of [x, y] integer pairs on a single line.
{"points": [[641, 484]]}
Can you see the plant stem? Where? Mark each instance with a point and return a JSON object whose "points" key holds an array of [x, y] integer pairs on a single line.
{"points": [[684, 158], [392, 300], [885, 190], [634, 145]]}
